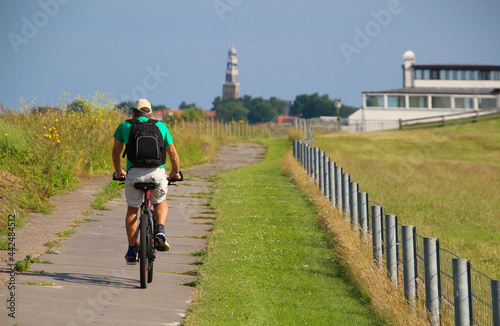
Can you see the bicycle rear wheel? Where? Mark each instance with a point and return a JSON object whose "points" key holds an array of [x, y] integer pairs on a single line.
{"points": [[143, 250]]}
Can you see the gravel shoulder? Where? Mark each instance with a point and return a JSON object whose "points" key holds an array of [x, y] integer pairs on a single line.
{"points": [[42, 228]]}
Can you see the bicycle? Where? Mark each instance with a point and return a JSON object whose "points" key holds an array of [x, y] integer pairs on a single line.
{"points": [[145, 241]]}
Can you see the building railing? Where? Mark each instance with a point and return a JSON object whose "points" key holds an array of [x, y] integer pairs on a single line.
{"points": [[454, 292], [449, 119]]}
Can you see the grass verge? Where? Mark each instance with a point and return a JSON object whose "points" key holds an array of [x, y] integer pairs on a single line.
{"points": [[269, 260], [111, 191]]}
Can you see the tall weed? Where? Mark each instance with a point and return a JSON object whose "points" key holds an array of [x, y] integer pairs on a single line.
{"points": [[50, 149]]}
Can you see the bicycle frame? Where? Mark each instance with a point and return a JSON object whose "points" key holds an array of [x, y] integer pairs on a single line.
{"points": [[145, 241], [148, 209]]}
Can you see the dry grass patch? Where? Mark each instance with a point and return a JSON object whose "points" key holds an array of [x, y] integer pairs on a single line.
{"points": [[356, 256]]}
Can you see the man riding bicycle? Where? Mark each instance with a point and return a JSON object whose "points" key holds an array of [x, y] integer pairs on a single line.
{"points": [[141, 112]]}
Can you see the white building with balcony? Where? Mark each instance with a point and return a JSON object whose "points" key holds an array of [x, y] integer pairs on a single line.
{"points": [[429, 90]]}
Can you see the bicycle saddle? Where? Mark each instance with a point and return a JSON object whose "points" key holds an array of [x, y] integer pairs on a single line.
{"points": [[145, 185]]}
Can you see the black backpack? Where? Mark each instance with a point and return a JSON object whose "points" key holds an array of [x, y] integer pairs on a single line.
{"points": [[145, 147]]}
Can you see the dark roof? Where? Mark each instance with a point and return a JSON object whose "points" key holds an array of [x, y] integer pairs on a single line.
{"points": [[441, 90], [457, 67]]}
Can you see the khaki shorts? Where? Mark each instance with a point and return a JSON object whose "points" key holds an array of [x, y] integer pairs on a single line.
{"points": [[156, 175]]}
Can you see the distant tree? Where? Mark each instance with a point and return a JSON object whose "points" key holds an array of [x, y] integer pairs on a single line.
{"points": [[253, 110], [159, 107], [280, 105], [216, 102], [124, 106], [247, 101], [79, 106], [193, 113], [314, 105], [303, 105], [229, 110], [184, 105], [298, 106], [254, 102], [239, 112], [266, 110]]}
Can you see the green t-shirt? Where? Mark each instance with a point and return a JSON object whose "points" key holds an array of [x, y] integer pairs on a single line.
{"points": [[123, 131]]}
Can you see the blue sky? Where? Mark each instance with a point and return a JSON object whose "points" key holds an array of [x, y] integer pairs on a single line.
{"points": [[173, 51]]}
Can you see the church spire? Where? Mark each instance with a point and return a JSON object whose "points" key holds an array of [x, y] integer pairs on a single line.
{"points": [[231, 87]]}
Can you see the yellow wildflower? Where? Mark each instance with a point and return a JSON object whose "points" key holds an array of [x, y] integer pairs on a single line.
{"points": [[6, 135]]}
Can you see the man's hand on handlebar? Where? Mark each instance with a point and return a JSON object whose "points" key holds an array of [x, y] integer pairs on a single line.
{"points": [[116, 178], [120, 174], [175, 177]]}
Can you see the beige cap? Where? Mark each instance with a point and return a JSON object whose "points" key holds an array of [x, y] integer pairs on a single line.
{"points": [[142, 105]]}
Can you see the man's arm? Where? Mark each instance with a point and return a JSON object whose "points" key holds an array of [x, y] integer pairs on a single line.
{"points": [[116, 155], [174, 161]]}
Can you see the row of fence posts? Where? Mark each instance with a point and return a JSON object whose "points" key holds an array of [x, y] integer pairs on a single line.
{"points": [[219, 128], [346, 196]]}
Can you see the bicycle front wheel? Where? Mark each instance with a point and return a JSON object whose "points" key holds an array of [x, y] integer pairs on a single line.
{"points": [[143, 250]]}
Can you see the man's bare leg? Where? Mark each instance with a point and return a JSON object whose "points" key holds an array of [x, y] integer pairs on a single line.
{"points": [[161, 212], [131, 225]]}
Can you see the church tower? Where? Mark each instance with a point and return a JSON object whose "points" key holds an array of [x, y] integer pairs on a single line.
{"points": [[231, 87]]}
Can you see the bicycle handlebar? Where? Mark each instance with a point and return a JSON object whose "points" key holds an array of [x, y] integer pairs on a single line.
{"points": [[170, 181]]}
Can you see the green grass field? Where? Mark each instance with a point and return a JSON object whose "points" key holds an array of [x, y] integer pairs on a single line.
{"points": [[445, 181], [269, 261]]}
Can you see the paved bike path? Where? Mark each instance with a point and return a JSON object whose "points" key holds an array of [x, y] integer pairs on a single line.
{"points": [[89, 280]]}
